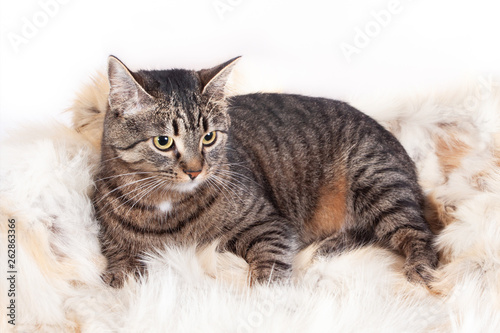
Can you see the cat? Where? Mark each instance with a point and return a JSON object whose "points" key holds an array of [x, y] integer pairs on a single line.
{"points": [[266, 174]]}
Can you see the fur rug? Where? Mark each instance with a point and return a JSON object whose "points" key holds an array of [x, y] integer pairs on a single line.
{"points": [[454, 137]]}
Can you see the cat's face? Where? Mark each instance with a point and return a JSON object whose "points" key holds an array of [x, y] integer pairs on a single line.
{"points": [[168, 126]]}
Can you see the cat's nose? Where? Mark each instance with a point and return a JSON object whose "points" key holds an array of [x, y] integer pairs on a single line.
{"points": [[192, 173]]}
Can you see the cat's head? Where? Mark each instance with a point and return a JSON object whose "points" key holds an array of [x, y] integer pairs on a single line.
{"points": [[171, 124]]}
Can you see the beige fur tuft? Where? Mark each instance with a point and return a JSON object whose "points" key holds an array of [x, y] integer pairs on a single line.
{"points": [[90, 107]]}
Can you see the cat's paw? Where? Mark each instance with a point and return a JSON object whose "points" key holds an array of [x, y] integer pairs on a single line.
{"points": [[114, 278], [420, 274], [269, 275], [421, 271]]}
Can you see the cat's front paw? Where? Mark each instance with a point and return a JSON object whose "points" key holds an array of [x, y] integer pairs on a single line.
{"points": [[114, 278], [421, 270], [273, 274]]}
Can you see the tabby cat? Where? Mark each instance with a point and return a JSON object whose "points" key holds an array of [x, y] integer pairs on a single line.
{"points": [[266, 174]]}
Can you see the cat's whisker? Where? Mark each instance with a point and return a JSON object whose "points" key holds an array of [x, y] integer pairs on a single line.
{"points": [[110, 159], [138, 188], [149, 191], [232, 163], [212, 182], [144, 190], [124, 185], [126, 174], [227, 186], [240, 165], [234, 175], [225, 189]]}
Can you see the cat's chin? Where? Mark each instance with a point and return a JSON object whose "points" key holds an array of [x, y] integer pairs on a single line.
{"points": [[187, 186]]}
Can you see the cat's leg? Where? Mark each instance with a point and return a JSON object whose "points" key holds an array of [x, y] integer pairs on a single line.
{"points": [[269, 245], [414, 243], [121, 264], [397, 222], [386, 200], [414, 240]]}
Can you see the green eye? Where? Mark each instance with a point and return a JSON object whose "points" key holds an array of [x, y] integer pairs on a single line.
{"points": [[209, 138], [163, 142]]}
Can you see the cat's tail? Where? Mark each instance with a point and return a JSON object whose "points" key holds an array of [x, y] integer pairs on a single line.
{"points": [[89, 108]]}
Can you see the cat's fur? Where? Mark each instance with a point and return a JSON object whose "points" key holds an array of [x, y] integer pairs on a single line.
{"points": [[284, 172]]}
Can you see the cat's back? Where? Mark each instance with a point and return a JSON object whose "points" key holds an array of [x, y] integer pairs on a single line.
{"points": [[280, 110], [284, 126], [290, 117], [302, 128]]}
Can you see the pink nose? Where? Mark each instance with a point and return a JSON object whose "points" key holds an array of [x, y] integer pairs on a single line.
{"points": [[192, 173]]}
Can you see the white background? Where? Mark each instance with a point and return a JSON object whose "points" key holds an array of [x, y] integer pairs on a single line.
{"points": [[50, 47]]}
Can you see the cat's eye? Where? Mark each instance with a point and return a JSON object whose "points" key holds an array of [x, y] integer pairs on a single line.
{"points": [[163, 142], [209, 138]]}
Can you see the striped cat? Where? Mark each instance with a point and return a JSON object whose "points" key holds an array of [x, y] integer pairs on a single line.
{"points": [[266, 174]]}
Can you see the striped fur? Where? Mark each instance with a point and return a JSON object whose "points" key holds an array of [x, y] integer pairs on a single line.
{"points": [[285, 171]]}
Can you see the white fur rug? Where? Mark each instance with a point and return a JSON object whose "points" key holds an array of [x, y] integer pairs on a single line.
{"points": [[454, 137]]}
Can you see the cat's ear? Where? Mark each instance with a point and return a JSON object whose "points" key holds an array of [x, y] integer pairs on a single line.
{"points": [[213, 80], [126, 95]]}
